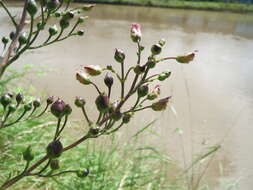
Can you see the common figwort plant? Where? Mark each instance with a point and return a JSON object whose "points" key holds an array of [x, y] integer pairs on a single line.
{"points": [[112, 114], [39, 13]]}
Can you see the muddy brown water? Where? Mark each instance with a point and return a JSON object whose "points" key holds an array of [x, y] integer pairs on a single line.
{"points": [[212, 96]]}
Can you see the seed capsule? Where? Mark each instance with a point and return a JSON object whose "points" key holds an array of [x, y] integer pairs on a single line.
{"points": [[12, 108], [139, 69], [52, 5], [54, 149], [22, 39], [64, 23], [31, 7], [28, 155], [79, 102], [119, 55], [126, 117], [57, 108], [108, 80], [156, 49], [143, 90]]}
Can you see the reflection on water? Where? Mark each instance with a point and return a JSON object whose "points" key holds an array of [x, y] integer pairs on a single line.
{"points": [[212, 96]]}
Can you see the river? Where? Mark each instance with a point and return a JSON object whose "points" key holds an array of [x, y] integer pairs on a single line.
{"points": [[212, 97]]}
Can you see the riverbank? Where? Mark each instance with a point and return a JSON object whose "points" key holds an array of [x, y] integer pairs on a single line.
{"points": [[198, 5]]}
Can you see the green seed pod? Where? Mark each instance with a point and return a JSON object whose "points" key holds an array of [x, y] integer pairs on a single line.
{"points": [[12, 35], [64, 23], [116, 115], [80, 32], [28, 155], [102, 103], [22, 39], [12, 108], [164, 75], [31, 7], [54, 149], [67, 109], [53, 30], [52, 5], [81, 19], [162, 42], [36, 103], [40, 25], [108, 80], [119, 55], [79, 102], [156, 49], [142, 90], [28, 106], [5, 40], [83, 173], [139, 69], [54, 164], [5, 100], [126, 117]]}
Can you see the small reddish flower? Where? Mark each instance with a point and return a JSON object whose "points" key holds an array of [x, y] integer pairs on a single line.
{"points": [[93, 70], [154, 93], [135, 32]]}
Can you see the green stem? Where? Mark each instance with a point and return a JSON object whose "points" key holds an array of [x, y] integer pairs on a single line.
{"points": [[14, 122], [9, 14], [63, 126], [86, 116], [57, 129], [96, 87], [122, 80]]}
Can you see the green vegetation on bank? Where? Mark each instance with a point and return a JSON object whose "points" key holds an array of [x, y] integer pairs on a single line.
{"points": [[198, 5]]}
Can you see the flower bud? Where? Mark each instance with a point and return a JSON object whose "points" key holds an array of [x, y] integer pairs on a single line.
{"points": [[53, 30], [68, 15], [162, 42], [57, 14], [28, 106], [10, 94], [186, 58], [64, 23], [5, 100], [83, 78], [40, 25], [108, 80], [54, 164], [19, 98], [102, 103], [156, 49], [12, 108], [142, 90], [119, 55], [12, 35], [83, 173], [5, 40], [22, 39], [81, 19], [54, 149], [161, 104], [58, 108], [67, 109], [31, 7], [139, 69], [93, 70], [52, 5], [28, 155], [50, 100], [154, 93], [80, 32], [116, 115], [79, 102], [135, 32], [36, 103], [94, 130], [151, 63], [126, 117], [88, 7], [164, 75]]}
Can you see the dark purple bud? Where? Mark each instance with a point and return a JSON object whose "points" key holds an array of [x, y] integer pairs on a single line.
{"points": [[108, 80], [102, 103], [50, 100], [5, 40], [19, 98], [36, 103], [12, 35], [54, 149], [79, 102], [57, 108]]}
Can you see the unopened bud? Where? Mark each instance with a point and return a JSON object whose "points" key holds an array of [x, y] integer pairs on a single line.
{"points": [[83, 173], [19, 98], [52, 5], [27, 154], [28, 106], [164, 75], [119, 55], [53, 30], [81, 19], [154, 93], [31, 7], [5, 40], [40, 25], [116, 115], [94, 130], [68, 15], [5, 100], [139, 69], [83, 78], [108, 80], [67, 109], [79, 102], [57, 108], [161, 104], [54, 149], [36, 103], [102, 103], [12, 108], [12, 35], [80, 32], [64, 23], [162, 42], [185, 58], [151, 63], [88, 7], [126, 117], [135, 32], [93, 70], [50, 100], [57, 14], [22, 39], [156, 49], [142, 90], [54, 164]]}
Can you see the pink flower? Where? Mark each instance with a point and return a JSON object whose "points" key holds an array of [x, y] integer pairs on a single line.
{"points": [[154, 93], [135, 32]]}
